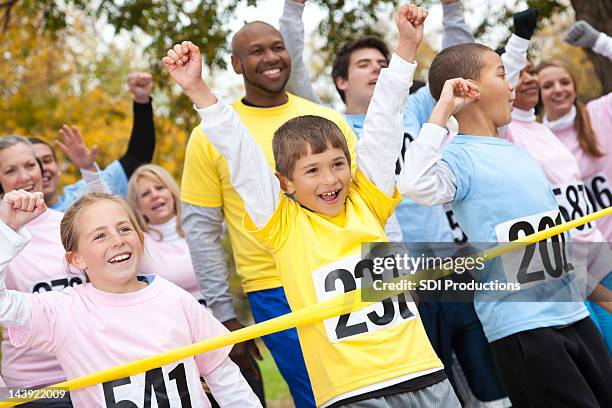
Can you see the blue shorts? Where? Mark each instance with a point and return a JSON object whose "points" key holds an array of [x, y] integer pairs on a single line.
{"points": [[284, 346]]}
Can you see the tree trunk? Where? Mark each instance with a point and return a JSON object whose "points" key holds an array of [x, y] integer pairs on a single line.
{"points": [[598, 13]]}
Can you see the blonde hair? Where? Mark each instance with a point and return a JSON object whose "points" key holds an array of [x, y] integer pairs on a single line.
{"points": [[586, 135], [161, 175], [69, 230]]}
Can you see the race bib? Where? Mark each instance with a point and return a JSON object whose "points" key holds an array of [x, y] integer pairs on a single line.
{"points": [[599, 191], [536, 263], [175, 385], [346, 275], [56, 284], [458, 234], [573, 204]]}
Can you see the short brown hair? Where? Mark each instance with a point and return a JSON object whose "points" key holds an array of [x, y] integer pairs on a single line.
{"points": [[460, 61], [292, 139], [586, 136], [343, 57]]}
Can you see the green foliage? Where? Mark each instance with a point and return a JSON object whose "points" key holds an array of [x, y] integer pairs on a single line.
{"points": [[162, 23]]}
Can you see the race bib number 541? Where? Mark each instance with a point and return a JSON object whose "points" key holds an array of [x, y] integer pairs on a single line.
{"points": [[175, 385], [346, 275], [539, 262]]}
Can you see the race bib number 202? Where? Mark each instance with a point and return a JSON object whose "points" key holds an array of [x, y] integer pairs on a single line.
{"points": [[346, 275], [536, 263], [175, 385]]}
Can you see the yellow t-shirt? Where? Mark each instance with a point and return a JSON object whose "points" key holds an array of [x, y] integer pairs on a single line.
{"points": [[206, 181], [316, 256]]}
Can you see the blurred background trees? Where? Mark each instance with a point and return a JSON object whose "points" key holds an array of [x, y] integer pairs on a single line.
{"points": [[66, 61]]}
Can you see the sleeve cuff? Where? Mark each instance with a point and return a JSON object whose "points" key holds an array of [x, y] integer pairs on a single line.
{"points": [[452, 11], [603, 42], [17, 239], [214, 114], [143, 106], [89, 175], [433, 135], [517, 44], [223, 311], [293, 9], [401, 70]]}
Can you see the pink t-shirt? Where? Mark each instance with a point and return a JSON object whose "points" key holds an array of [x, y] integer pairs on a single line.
{"points": [[39, 268], [90, 330], [171, 259], [596, 172]]}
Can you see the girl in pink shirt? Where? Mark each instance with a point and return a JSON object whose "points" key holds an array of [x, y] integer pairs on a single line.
{"points": [[113, 318], [155, 197]]}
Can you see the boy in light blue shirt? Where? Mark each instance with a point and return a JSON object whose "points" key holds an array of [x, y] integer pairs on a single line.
{"points": [[499, 193]]}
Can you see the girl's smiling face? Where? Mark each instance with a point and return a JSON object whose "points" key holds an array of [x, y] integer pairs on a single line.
{"points": [[109, 247]]}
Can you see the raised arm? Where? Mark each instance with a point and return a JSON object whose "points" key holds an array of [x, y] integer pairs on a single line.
{"points": [[250, 174], [515, 56], [582, 34], [142, 139], [74, 147], [455, 29], [381, 142], [292, 29], [426, 178], [17, 208]]}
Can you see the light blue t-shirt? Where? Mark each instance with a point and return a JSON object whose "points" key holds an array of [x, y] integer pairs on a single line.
{"points": [[419, 106], [502, 194], [418, 223], [113, 175]]}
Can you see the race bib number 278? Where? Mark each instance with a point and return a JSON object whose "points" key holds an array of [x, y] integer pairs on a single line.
{"points": [[346, 275], [175, 385]]}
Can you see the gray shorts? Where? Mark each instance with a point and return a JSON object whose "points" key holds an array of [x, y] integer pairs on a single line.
{"points": [[439, 395]]}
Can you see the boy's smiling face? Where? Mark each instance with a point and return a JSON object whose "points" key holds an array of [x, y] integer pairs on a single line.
{"points": [[320, 182], [496, 94]]}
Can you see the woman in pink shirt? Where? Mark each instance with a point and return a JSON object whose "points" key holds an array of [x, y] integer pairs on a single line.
{"points": [[39, 268], [155, 196], [584, 129], [114, 318]]}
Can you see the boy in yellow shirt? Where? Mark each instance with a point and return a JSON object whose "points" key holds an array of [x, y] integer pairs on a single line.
{"points": [[378, 356]]}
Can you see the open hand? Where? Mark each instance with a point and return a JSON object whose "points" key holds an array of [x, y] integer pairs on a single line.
{"points": [[18, 207], [75, 148]]}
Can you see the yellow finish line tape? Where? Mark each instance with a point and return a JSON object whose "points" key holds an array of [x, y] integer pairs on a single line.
{"points": [[339, 305]]}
